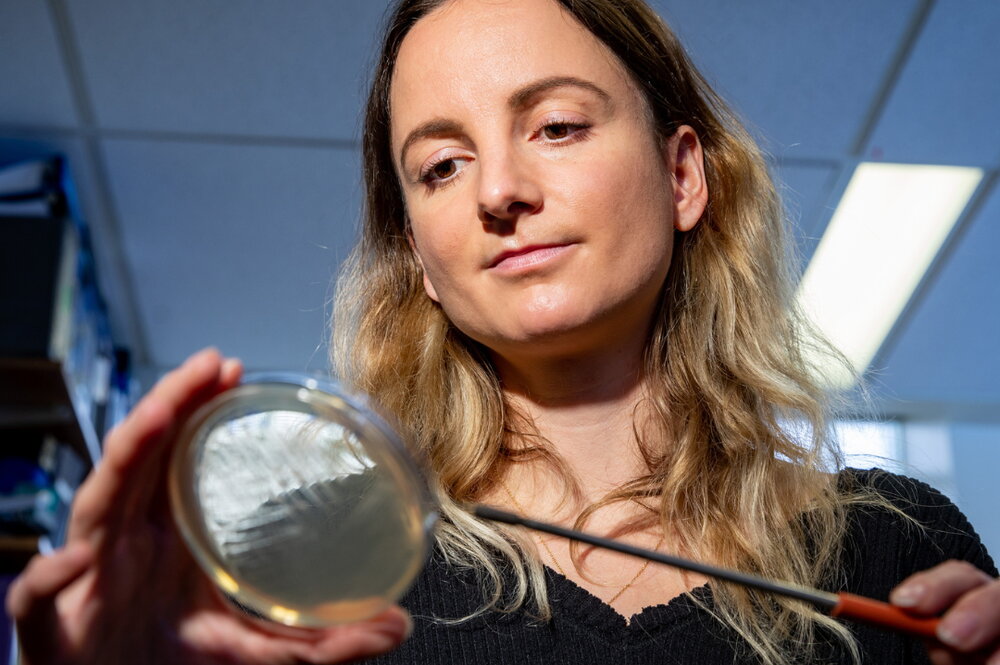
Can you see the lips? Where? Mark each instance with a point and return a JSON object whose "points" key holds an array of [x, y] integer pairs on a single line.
{"points": [[527, 256]]}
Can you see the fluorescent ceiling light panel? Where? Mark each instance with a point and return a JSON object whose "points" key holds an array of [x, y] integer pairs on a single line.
{"points": [[885, 233]]}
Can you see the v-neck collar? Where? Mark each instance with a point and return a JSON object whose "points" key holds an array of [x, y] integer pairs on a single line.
{"points": [[571, 602]]}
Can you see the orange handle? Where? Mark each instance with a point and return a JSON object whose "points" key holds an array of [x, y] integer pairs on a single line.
{"points": [[882, 614]]}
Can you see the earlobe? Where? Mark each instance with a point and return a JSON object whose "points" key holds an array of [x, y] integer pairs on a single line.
{"points": [[428, 286], [687, 172]]}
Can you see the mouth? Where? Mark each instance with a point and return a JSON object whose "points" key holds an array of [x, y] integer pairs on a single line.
{"points": [[527, 256]]}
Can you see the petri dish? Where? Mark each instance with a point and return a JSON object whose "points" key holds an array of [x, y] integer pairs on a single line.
{"points": [[300, 502]]}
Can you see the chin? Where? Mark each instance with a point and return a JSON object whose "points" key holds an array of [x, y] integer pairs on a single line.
{"points": [[553, 324], [547, 336]]}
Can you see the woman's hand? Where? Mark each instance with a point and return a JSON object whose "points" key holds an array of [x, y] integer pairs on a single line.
{"points": [[970, 599], [124, 588]]}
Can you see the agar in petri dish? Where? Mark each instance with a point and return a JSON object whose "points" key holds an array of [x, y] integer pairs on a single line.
{"points": [[300, 502]]}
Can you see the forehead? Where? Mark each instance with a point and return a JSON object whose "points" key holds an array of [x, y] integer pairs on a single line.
{"points": [[468, 54]]}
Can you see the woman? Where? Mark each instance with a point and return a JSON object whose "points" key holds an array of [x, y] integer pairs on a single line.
{"points": [[570, 292]]}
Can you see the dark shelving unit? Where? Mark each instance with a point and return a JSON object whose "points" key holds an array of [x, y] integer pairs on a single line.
{"points": [[59, 367], [36, 394]]}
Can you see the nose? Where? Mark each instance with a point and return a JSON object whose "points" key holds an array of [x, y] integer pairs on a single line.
{"points": [[507, 190]]}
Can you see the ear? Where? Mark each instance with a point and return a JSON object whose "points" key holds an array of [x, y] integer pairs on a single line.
{"points": [[428, 287], [687, 171]]}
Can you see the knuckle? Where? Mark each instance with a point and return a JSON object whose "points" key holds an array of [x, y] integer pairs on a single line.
{"points": [[14, 603], [31, 570], [981, 600], [963, 569], [23, 589], [990, 593], [956, 565]]}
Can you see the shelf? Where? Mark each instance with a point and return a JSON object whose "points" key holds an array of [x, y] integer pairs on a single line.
{"points": [[36, 394], [34, 418], [58, 372], [16, 551]]}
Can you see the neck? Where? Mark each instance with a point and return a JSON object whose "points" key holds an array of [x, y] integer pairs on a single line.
{"points": [[587, 409]]}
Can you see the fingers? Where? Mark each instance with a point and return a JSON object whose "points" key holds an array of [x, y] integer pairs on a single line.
{"points": [[229, 637], [45, 577], [130, 461], [232, 372], [974, 621], [970, 596], [939, 655], [931, 591], [31, 598], [359, 640]]}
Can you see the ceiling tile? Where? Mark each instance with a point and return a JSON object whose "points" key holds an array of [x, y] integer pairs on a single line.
{"points": [[805, 190], [948, 351], [234, 246], [944, 108], [802, 74], [34, 89], [263, 68]]}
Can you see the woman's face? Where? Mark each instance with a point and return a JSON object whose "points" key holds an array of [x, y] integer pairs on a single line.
{"points": [[542, 206]]}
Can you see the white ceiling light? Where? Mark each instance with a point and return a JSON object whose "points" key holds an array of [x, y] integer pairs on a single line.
{"points": [[883, 236]]}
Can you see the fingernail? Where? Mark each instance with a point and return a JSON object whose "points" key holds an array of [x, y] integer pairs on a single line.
{"points": [[957, 629], [908, 596]]}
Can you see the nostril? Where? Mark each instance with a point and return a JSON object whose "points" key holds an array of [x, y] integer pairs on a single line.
{"points": [[499, 225]]}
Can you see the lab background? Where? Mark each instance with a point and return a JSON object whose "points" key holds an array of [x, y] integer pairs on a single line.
{"points": [[211, 154]]}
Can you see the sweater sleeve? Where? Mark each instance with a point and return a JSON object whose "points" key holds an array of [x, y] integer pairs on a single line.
{"points": [[929, 530], [918, 528]]}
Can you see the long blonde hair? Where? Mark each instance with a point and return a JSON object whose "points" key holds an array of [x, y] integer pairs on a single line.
{"points": [[725, 365]]}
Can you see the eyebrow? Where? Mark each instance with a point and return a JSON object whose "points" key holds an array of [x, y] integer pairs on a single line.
{"points": [[435, 127], [519, 99], [524, 96]]}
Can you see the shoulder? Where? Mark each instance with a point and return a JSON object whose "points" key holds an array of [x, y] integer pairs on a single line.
{"points": [[904, 497], [899, 525], [891, 485]]}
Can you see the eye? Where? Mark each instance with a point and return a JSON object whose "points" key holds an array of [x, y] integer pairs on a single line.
{"points": [[562, 131], [442, 171], [557, 131]]}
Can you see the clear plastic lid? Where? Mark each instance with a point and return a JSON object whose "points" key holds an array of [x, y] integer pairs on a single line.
{"points": [[300, 502]]}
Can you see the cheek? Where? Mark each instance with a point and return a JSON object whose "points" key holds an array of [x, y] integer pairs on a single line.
{"points": [[437, 243], [437, 253], [444, 255], [627, 197]]}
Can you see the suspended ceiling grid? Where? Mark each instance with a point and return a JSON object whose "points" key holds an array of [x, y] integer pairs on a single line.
{"points": [[215, 149]]}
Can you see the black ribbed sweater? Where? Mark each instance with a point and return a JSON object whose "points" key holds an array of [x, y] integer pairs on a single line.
{"points": [[881, 551]]}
